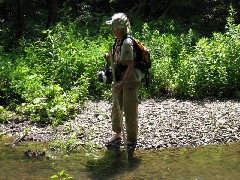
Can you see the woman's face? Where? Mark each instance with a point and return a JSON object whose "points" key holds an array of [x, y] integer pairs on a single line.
{"points": [[117, 33]]}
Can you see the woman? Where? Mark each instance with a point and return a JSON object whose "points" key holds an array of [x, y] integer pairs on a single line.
{"points": [[126, 89]]}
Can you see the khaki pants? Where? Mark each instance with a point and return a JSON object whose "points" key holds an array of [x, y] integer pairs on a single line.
{"points": [[128, 101]]}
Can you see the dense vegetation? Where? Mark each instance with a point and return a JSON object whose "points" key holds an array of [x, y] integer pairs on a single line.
{"points": [[46, 78]]}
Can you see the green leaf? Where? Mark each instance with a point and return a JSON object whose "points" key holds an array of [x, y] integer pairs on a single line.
{"points": [[1, 109], [61, 173], [54, 176]]}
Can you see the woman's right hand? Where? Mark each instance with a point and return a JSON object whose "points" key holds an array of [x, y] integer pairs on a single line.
{"points": [[116, 88]]}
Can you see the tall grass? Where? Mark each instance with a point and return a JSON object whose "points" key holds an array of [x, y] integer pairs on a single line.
{"points": [[46, 80]]}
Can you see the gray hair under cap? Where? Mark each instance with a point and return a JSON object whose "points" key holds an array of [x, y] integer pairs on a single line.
{"points": [[119, 21]]}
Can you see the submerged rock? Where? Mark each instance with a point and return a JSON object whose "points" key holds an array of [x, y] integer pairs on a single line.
{"points": [[34, 153]]}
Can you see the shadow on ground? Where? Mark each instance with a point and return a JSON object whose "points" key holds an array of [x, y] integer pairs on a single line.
{"points": [[110, 165]]}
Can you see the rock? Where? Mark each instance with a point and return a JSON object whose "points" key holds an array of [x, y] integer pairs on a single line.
{"points": [[163, 123], [34, 153]]}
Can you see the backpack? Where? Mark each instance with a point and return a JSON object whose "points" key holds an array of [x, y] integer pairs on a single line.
{"points": [[143, 61]]}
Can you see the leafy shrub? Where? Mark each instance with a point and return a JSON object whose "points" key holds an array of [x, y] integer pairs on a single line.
{"points": [[47, 79], [55, 74], [186, 65], [212, 67]]}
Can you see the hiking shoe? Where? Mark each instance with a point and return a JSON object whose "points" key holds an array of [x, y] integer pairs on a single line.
{"points": [[114, 144], [130, 150]]}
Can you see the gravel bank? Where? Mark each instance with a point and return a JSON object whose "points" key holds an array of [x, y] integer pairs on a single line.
{"points": [[163, 123]]}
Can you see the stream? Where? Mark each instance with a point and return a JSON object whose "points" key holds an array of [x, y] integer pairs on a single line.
{"points": [[204, 162]]}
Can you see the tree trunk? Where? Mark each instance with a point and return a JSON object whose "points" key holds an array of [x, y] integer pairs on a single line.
{"points": [[52, 13], [159, 8], [152, 8], [20, 18]]}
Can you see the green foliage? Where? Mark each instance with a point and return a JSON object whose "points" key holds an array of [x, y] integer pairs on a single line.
{"points": [[211, 67], [62, 175], [53, 75], [188, 66], [47, 79], [74, 140], [2, 110]]}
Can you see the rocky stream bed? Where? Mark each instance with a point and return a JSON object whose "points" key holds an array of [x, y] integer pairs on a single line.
{"points": [[163, 123]]}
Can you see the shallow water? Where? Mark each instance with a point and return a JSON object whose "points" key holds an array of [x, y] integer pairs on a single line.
{"points": [[208, 162]]}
